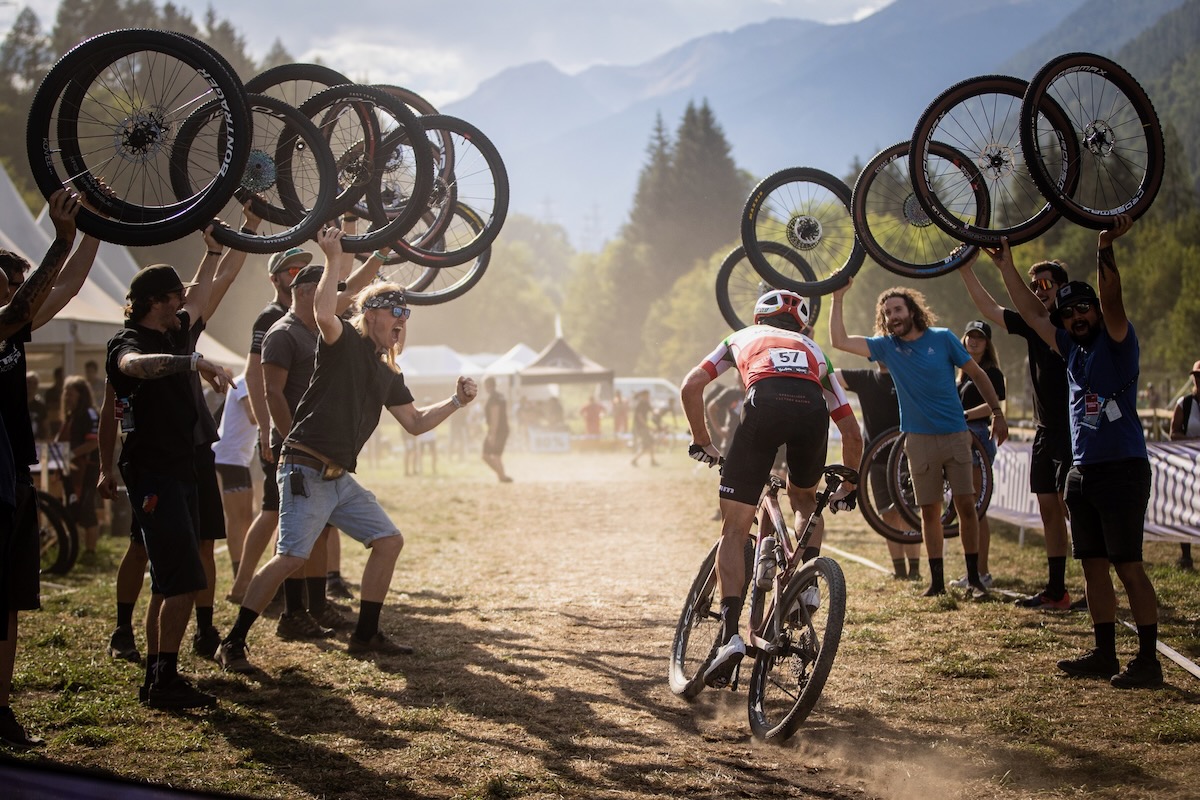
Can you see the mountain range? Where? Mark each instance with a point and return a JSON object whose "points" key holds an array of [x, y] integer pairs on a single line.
{"points": [[786, 92]]}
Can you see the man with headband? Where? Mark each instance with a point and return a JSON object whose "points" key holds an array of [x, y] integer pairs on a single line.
{"points": [[355, 375]]}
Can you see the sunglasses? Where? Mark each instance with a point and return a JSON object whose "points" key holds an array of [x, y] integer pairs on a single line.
{"points": [[1078, 308], [401, 312], [293, 271], [1045, 284]]}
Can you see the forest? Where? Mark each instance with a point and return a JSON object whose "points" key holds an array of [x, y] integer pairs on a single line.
{"points": [[644, 303]]}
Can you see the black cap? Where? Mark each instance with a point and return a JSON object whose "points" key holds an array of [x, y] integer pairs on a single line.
{"points": [[979, 325], [1068, 295], [310, 274], [155, 280]]}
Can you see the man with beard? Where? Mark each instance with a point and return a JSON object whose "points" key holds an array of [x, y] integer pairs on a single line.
{"points": [[1108, 486], [922, 360]]}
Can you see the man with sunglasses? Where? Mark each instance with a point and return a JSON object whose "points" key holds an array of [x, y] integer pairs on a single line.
{"points": [[1051, 457], [355, 375], [1108, 486]]}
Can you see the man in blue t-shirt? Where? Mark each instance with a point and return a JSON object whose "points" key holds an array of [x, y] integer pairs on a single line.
{"points": [[922, 360], [1108, 487]]}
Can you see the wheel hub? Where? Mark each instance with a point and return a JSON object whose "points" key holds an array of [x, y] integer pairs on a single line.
{"points": [[1098, 137], [352, 168], [804, 232], [914, 214], [260, 172], [140, 137], [997, 161]]}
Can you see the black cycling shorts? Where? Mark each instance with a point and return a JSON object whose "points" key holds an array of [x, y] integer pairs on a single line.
{"points": [[208, 491], [788, 412], [1050, 461]]}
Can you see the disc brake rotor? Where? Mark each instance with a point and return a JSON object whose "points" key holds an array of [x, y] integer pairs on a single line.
{"points": [[141, 136], [1098, 137], [804, 232]]}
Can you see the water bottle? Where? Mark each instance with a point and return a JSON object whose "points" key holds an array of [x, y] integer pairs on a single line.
{"points": [[764, 565]]}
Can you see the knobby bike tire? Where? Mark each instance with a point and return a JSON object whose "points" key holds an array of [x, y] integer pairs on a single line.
{"points": [[739, 284], [696, 631], [785, 686], [363, 162], [875, 457], [901, 488], [121, 164], [290, 177], [808, 211], [473, 176], [892, 226], [59, 540], [295, 83], [980, 117], [1117, 132]]}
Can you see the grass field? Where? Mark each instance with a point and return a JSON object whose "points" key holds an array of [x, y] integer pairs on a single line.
{"points": [[542, 612]]}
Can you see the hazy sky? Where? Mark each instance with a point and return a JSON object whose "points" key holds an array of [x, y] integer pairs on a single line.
{"points": [[442, 49]]}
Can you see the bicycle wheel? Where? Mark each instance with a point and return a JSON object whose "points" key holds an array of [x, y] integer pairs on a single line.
{"points": [[697, 630], [59, 547], [807, 211], [104, 119], [469, 171], [739, 284], [980, 118], [442, 284], [874, 466], [900, 484], [295, 83], [1117, 133], [788, 678], [893, 228], [290, 177]]}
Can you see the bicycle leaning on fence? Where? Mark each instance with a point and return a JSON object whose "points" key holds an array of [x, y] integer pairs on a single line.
{"points": [[795, 622]]}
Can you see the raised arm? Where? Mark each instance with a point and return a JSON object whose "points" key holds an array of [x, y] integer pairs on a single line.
{"points": [[325, 300], [1112, 303], [359, 279], [981, 297], [28, 300], [1023, 298], [70, 280], [837, 327], [195, 298], [231, 263]]}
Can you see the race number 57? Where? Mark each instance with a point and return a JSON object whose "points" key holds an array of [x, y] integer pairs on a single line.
{"points": [[785, 360]]}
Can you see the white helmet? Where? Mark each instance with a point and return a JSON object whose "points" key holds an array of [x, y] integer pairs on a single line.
{"points": [[781, 301]]}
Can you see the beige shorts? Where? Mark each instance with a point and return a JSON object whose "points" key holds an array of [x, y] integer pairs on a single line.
{"points": [[933, 458]]}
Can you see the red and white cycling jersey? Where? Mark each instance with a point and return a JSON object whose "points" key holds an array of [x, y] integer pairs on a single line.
{"points": [[764, 351]]}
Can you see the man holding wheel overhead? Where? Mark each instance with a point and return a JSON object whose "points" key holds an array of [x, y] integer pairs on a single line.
{"points": [[922, 360], [791, 395]]}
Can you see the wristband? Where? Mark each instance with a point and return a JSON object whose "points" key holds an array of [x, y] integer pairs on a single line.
{"points": [[454, 399], [196, 360], [379, 255], [995, 410]]}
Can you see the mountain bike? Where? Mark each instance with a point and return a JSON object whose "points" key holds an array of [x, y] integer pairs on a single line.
{"points": [[794, 622]]}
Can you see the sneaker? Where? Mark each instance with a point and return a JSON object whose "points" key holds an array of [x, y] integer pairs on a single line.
{"points": [[231, 655], [1144, 672], [205, 642], [300, 625], [724, 662], [377, 644], [178, 693], [1045, 601], [811, 597], [1185, 564], [978, 593], [122, 645], [13, 735], [985, 579], [1090, 665], [1079, 605], [330, 617], [336, 586]]}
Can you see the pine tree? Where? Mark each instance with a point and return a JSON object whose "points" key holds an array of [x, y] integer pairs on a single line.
{"points": [[24, 55]]}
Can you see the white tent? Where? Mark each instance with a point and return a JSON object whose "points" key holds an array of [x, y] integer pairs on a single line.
{"points": [[510, 363], [434, 365]]}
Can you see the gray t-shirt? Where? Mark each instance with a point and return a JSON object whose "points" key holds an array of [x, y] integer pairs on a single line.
{"points": [[291, 346]]}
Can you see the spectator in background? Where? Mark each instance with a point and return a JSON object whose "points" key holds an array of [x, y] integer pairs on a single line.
{"points": [[977, 339], [95, 380], [36, 406], [880, 413], [643, 434], [495, 411], [1185, 424], [81, 423], [591, 412], [53, 398], [620, 415], [233, 454]]}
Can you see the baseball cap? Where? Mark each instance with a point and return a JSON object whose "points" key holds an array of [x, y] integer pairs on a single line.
{"points": [[1196, 368], [295, 256], [979, 325], [155, 280], [1068, 295], [310, 274]]}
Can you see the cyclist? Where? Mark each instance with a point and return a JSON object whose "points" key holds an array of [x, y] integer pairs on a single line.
{"points": [[791, 395]]}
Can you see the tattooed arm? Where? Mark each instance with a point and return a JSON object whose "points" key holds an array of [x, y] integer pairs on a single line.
{"points": [[1108, 278], [22, 309], [149, 366]]}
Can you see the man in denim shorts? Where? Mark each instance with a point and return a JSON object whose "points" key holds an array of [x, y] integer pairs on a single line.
{"points": [[355, 376], [1108, 487], [922, 360]]}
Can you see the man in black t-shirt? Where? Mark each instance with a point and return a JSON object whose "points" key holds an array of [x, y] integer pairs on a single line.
{"points": [[355, 376], [495, 417], [1051, 458], [149, 366]]}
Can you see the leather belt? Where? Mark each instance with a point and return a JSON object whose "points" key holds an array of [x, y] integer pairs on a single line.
{"points": [[303, 460]]}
